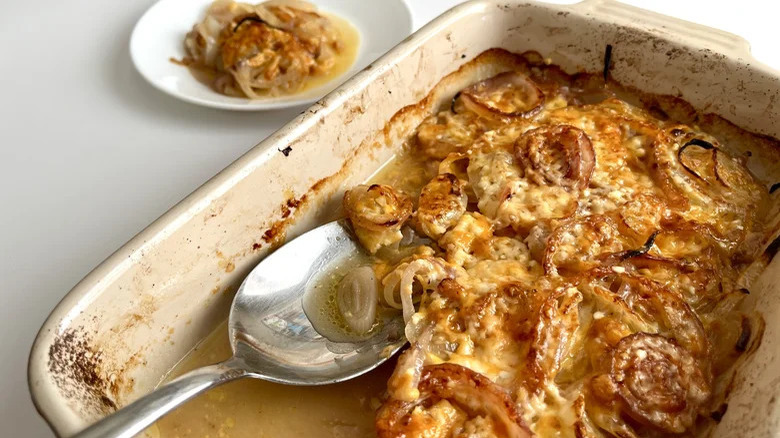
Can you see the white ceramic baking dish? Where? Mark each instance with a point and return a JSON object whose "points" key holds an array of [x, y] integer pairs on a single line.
{"points": [[132, 318]]}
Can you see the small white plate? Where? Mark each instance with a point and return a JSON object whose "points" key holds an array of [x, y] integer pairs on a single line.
{"points": [[159, 36]]}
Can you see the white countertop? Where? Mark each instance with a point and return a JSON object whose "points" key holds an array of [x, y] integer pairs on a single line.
{"points": [[91, 154]]}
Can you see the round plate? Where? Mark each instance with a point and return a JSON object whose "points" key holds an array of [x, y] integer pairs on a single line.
{"points": [[159, 36]]}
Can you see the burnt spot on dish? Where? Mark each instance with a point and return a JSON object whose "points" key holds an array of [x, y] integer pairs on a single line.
{"points": [[286, 151], [75, 366]]}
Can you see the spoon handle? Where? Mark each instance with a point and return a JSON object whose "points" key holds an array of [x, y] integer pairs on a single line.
{"points": [[137, 416]]}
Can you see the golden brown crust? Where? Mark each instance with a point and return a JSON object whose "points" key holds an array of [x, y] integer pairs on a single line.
{"points": [[539, 150], [657, 382], [595, 256], [473, 393], [506, 96], [442, 202]]}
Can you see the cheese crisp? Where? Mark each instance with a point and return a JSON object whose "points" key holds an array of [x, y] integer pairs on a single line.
{"points": [[567, 263]]}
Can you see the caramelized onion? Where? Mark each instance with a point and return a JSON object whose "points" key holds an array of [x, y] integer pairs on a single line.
{"points": [[504, 97], [470, 391], [658, 382], [558, 320], [442, 202], [539, 149], [253, 19], [377, 207], [653, 302], [357, 299], [595, 235], [624, 255], [717, 174], [699, 143], [641, 215]]}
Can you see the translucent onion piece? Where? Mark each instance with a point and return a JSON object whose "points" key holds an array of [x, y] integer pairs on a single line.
{"points": [[357, 299], [405, 379]]}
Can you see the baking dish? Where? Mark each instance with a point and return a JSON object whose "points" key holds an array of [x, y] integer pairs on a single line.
{"points": [[131, 319]]}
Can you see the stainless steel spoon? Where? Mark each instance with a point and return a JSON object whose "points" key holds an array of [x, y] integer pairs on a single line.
{"points": [[271, 337]]}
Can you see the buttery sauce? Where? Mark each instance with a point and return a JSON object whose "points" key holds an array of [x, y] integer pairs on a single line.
{"points": [[320, 301], [350, 36], [256, 408]]}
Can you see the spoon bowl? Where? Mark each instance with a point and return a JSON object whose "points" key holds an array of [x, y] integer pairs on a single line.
{"points": [[271, 336]]}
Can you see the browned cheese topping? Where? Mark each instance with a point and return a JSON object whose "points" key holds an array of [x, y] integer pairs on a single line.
{"points": [[568, 264]]}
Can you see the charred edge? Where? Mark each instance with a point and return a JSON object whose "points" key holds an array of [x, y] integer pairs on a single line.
{"points": [[255, 19], [75, 366], [774, 187], [269, 234], [744, 336], [286, 151], [390, 223], [452, 102], [607, 61], [771, 250], [108, 402], [695, 142], [718, 414], [643, 250]]}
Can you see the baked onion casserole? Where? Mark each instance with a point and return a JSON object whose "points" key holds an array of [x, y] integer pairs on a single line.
{"points": [[570, 258]]}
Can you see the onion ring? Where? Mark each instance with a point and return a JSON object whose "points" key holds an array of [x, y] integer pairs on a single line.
{"points": [[536, 147], [377, 207], [468, 390], [441, 204], [504, 97], [658, 383]]}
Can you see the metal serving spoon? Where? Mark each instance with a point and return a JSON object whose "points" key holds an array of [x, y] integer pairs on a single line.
{"points": [[271, 337]]}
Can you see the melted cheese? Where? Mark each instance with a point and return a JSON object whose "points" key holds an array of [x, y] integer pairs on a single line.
{"points": [[559, 259]]}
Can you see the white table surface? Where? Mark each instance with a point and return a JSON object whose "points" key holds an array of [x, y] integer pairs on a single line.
{"points": [[91, 154]]}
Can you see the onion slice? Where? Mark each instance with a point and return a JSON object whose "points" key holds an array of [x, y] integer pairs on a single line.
{"points": [[657, 382], [472, 392], [507, 96], [699, 143], [253, 19], [539, 149], [377, 207], [357, 299]]}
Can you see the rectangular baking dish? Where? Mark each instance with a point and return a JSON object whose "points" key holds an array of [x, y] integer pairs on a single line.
{"points": [[132, 318]]}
